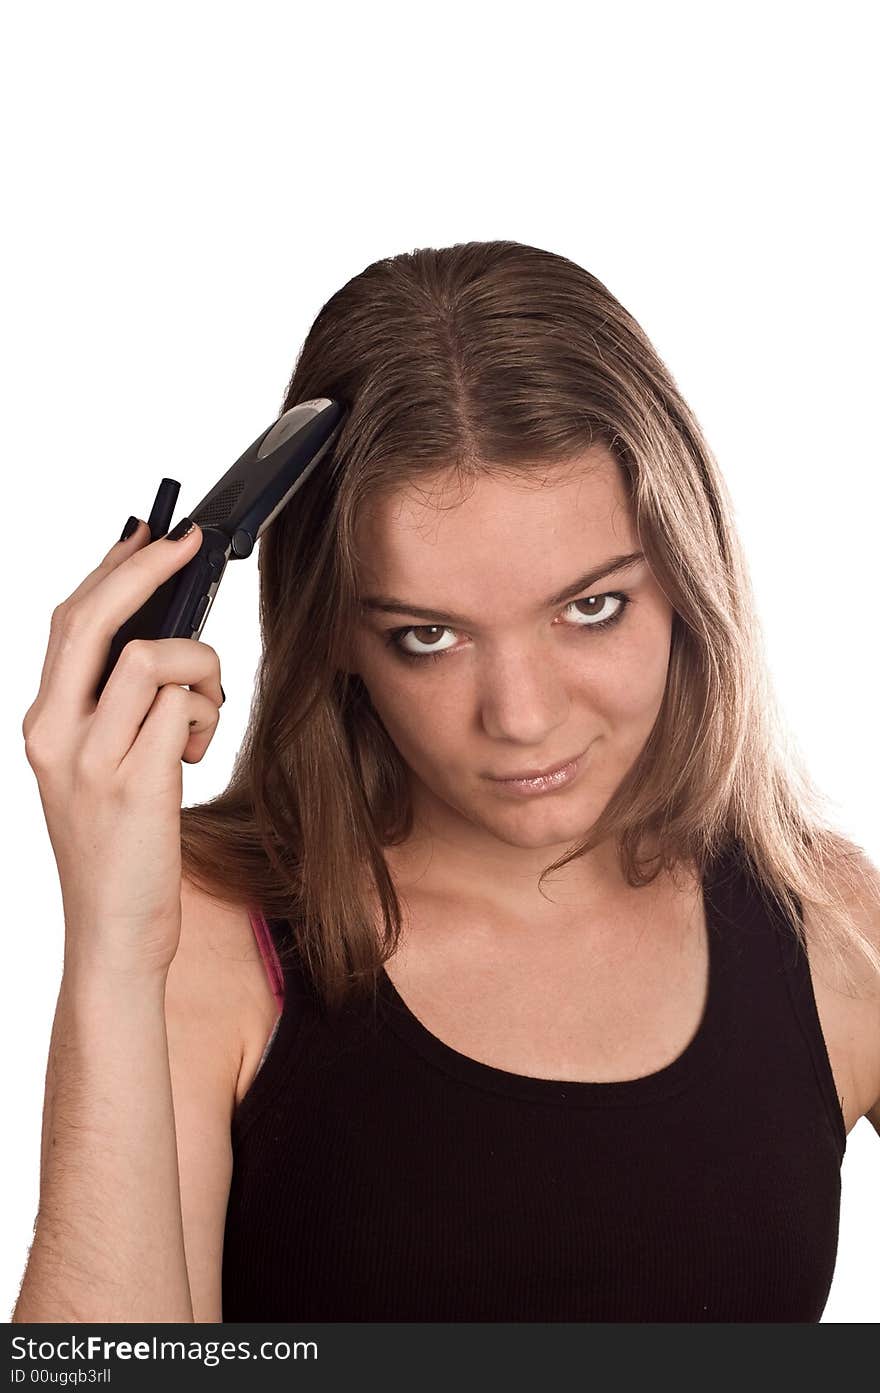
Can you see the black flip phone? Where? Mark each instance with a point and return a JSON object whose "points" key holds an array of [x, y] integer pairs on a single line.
{"points": [[232, 517]]}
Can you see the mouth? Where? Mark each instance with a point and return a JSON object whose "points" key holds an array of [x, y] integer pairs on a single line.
{"points": [[558, 776], [531, 774]]}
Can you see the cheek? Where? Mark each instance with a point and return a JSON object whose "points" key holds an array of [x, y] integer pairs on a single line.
{"points": [[392, 689], [628, 689], [430, 746], [428, 742], [401, 706]]}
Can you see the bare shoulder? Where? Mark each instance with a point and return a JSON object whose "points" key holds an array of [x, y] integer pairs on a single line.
{"points": [[219, 968], [847, 991], [215, 933]]}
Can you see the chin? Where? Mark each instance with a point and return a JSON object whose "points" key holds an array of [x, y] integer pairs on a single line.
{"points": [[536, 833], [533, 827]]}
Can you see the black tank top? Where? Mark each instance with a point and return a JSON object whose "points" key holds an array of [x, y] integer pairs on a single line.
{"points": [[380, 1175]]}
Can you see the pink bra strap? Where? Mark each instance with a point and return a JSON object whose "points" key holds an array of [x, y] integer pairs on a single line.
{"points": [[269, 955]]}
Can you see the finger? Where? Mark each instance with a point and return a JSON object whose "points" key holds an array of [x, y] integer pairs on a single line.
{"points": [[178, 726], [118, 553], [89, 623], [201, 731], [144, 668]]}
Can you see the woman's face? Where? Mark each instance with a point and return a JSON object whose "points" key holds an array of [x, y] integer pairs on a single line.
{"points": [[511, 669]]}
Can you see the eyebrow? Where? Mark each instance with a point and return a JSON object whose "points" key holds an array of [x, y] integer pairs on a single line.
{"points": [[389, 604]]}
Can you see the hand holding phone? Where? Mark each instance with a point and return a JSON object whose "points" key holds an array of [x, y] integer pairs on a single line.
{"points": [[110, 775], [106, 735]]}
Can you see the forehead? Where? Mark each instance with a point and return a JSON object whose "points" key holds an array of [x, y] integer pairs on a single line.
{"points": [[513, 536]]}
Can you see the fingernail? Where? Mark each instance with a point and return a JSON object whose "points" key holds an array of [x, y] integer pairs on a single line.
{"points": [[129, 529], [222, 693], [183, 529]]}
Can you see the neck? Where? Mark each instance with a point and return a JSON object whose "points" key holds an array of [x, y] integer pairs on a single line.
{"points": [[456, 861]]}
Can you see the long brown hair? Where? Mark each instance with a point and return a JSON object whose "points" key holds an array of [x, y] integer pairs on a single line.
{"points": [[495, 356]]}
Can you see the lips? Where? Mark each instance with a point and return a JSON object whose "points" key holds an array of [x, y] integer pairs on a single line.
{"points": [[535, 773]]}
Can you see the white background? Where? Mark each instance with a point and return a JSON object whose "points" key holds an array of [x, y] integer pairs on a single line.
{"points": [[186, 184]]}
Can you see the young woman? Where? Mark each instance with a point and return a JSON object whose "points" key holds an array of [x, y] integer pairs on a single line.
{"points": [[518, 974]]}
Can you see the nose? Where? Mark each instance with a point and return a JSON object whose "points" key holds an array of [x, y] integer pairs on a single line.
{"points": [[523, 697]]}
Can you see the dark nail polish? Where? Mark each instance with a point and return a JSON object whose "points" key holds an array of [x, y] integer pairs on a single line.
{"points": [[222, 693], [183, 528], [129, 529]]}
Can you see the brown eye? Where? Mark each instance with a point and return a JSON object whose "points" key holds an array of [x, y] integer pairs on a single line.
{"points": [[594, 605], [432, 630], [596, 612], [424, 636]]}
